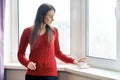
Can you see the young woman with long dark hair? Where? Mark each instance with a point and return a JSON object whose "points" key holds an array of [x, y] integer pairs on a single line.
{"points": [[44, 47]]}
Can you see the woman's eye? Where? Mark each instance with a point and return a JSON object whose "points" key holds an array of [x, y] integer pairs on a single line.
{"points": [[50, 17]]}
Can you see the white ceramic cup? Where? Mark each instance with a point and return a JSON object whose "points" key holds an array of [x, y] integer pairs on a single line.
{"points": [[83, 65]]}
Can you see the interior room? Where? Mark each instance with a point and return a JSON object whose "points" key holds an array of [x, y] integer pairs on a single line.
{"points": [[87, 31]]}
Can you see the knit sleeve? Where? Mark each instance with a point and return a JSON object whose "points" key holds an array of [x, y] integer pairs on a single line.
{"points": [[58, 53], [22, 48]]}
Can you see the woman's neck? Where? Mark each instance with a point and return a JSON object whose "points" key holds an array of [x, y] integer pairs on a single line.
{"points": [[42, 29]]}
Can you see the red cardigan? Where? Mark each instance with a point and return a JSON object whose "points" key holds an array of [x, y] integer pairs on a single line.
{"points": [[42, 54]]}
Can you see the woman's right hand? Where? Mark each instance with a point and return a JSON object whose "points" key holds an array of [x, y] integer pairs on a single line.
{"points": [[31, 65]]}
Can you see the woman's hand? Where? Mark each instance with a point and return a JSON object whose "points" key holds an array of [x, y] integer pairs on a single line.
{"points": [[76, 61], [31, 65], [81, 60]]}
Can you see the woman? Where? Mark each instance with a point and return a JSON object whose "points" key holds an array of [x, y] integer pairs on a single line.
{"points": [[44, 47]]}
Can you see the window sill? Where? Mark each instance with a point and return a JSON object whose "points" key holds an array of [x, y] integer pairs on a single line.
{"points": [[90, 72]]}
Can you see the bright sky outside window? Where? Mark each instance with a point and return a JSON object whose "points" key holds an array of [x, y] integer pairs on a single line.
{"points": [[27, 12], [101, 29]]}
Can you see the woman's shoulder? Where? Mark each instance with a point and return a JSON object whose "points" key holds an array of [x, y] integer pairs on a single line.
{"points": [[28, 28], [55, 29]]}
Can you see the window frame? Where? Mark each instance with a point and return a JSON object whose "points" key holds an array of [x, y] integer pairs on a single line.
{"points": [[102, 62]]}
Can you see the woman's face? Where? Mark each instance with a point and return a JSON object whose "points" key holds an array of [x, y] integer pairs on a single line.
{"points": [[49, 17]]}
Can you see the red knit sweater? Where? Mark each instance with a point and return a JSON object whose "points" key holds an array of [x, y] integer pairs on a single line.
{"points": [[42, 54]]}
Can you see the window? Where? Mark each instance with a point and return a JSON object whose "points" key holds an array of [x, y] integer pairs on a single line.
{"points": [[101, 35], [27, 13]]}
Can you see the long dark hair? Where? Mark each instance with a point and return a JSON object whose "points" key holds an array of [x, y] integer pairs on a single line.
{"points": [[39, 20]]}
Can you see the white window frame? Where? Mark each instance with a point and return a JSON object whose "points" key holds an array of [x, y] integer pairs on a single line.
{"points": [[11, 32], [107, 63]]}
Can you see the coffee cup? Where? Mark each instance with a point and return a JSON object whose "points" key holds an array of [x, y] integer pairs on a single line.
{"points": [[83, 65]]}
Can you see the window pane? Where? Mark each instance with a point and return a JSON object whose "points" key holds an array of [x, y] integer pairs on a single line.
{"points": [[27, 12], [101, 32]]}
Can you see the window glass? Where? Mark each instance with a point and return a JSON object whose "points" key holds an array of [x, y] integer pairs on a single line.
{"points": [[27, 12], [101, 29]]}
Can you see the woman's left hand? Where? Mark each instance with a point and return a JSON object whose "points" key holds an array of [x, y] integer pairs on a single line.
{"points": [[76, 61], [81, 60]]}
